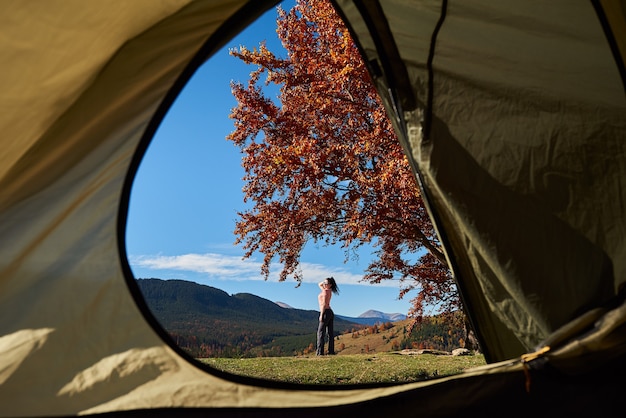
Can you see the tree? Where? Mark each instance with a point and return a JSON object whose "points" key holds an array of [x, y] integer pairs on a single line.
{"points": [[326, 166]]}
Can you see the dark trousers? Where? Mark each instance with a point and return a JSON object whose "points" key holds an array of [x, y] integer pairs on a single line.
{"points": [[324, 328]]}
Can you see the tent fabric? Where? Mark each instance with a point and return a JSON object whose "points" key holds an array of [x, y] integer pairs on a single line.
{"points": [[513, 122]]}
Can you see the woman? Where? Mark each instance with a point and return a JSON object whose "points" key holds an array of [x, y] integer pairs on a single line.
{"points": [[327, 316]]}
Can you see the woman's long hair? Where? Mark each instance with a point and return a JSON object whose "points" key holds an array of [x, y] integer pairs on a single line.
{"points": [[333, 285]]}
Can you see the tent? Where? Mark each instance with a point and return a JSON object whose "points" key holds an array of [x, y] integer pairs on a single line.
{"points": [[512, 113]]}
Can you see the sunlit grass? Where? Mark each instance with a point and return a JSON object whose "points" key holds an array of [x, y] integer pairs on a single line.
{"points": [[348, 369]]}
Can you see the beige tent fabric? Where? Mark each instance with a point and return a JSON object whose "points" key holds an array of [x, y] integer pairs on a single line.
{"points": [[51, 51], [538, 214], [81, 82], [615, 12]]}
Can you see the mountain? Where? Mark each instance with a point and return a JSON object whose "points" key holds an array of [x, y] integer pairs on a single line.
{"points": [[206, 321], [383, 316], [372, 317]]}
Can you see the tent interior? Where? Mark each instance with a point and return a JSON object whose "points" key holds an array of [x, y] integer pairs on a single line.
{"points": [[513, 117]]}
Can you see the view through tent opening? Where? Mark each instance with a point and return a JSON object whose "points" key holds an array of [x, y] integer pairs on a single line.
{"points": [[214, 303]]}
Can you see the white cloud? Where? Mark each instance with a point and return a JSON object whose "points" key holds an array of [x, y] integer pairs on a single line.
{"points": [[214, 265], [227, 267]]}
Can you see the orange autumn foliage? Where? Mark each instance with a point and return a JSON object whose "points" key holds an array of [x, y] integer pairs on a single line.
{"points": [[323, 163]]}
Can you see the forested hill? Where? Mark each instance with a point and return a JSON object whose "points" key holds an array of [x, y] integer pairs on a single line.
{"points": [[207, 321]]}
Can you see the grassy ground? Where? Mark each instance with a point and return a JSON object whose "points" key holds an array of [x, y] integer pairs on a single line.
{"points": [[390, 367]]}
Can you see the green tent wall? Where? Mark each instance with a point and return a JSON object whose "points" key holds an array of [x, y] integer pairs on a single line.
{"points": [[512, 114]]}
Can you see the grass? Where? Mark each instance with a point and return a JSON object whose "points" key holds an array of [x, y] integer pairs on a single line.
{"points": [[389, 367]]}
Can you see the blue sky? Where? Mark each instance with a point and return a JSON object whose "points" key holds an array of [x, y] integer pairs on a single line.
{"points": [[187, 192]]}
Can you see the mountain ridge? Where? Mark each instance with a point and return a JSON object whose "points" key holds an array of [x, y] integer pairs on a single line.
{"points": [[207, 322]]}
